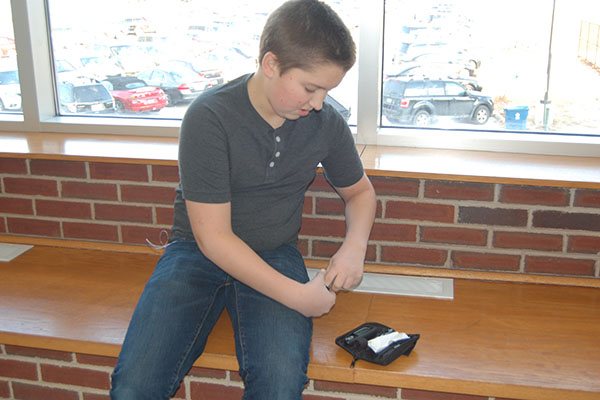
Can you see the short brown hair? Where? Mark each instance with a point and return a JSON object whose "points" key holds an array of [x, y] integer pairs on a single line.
{"points": [[305, 33]]}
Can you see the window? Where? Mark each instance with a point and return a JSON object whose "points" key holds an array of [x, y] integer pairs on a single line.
{"points": [[524, 56], [10, 89], [512, 76]]}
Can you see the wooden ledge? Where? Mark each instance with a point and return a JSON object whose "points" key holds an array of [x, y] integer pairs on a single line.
{"points": [[319, 264], [462, 165], [494, 339]]}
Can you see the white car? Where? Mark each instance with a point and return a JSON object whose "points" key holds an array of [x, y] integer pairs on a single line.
{"points": [[10, 90]]}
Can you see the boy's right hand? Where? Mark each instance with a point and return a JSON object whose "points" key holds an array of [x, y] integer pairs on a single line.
{"points": [[316, 299]]}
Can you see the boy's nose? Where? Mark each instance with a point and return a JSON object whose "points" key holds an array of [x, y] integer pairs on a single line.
{"points": [[316, 102]]}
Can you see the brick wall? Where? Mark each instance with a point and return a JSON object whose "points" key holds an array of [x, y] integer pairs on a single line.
{"points": [[420, 222], [36, 374]]}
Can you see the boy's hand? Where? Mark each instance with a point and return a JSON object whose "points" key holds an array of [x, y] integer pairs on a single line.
{"points": [[316, 300], [345, 269]]}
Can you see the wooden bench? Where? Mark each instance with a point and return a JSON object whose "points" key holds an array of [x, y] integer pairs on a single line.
{"points": [[494, 339]]}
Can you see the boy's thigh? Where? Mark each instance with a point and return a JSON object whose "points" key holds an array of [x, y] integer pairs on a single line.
{"points": [[272, 340], [176, 311]]}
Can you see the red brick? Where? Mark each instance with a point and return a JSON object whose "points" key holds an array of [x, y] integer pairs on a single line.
{"points": [[208, 373], [321, 248], [563, 220], [77, 230], [180, 393], [584, 244], [75, 376], [91, 191], [13, 166], [419, 211], [139, 234], [307, 207], [534, 195], [492, 216], [475, 237], [303, 247], [414, 394], [165, 173], [459, 190], [413, 255], [210, 391], [13, 205], [4, 390], [63, 209], [39, 353], [394, 232], [119, 172], [560, 266], [587, 198], [354, 388], [119, 212], [531, 241], [92, 396], [71, 169], [319, 397], [164, 215], [2, 225], [18, 369], [30, 186], [323, 227], [147, 194], [320, 184], [387, 186], [326, 206], [485, 261], [33, 227], [33, 392], [96, 360]]}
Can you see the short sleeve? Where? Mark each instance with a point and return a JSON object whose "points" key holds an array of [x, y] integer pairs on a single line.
{"points": [[203, 157]]}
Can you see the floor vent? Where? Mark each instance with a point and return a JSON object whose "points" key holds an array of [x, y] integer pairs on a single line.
{"points": [[401, 285]]}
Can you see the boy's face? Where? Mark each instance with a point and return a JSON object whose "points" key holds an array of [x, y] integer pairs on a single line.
{"points": [[295, 93]]}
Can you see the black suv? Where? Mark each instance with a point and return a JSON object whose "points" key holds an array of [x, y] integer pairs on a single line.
{"points": [[418, 102]]}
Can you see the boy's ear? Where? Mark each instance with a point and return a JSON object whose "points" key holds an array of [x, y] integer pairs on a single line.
{"points": [[270, 64]]}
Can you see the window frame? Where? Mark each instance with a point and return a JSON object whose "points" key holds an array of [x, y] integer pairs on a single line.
{"points": [[39, 115]]}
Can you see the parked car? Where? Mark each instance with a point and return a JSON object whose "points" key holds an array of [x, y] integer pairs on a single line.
{"points": [[418, 102], [84, 96], [431, 71], [339, 107], [179, 85], [7, 46], [10, 90], [205, 69], [97, 66], [134, 95]]}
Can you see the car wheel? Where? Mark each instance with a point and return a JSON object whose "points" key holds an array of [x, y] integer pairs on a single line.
{"points": [[481, 115], [422, 118], [119, 107]]}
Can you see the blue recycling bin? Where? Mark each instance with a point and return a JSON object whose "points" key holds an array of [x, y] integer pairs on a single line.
{"points": [[516, 117]]}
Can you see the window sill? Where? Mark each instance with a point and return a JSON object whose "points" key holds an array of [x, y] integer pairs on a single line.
{"points": [[420, 163]]}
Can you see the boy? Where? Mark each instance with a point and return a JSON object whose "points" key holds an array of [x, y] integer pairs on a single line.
{"points": [[248, 152]]}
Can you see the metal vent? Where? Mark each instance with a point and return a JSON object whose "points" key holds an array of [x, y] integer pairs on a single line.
{"points": [[9, 251], [440, 288]]}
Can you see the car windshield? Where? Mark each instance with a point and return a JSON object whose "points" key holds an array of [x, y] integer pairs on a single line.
{"points": [[134, 85], [9, 77], [91, 93]]}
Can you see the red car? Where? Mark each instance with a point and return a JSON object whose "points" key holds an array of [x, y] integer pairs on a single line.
{"points": [[133, 95]]}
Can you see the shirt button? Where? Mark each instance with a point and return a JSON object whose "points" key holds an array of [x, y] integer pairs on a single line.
{"points": [[277, 139], [277, 154], [272, 164]]}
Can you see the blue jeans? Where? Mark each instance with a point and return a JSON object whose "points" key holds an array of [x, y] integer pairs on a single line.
{"points": [[178, 309]]}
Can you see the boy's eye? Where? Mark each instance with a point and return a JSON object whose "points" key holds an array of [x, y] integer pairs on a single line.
{"points": [[310, 90]]}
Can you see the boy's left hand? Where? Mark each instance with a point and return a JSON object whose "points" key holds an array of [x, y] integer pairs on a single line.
{"points": [[345, 269]]}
